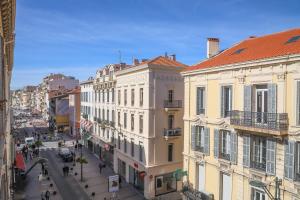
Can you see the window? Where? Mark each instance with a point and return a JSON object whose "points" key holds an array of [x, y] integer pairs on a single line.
{"points": [[226, 100], [200, 100], [298, 104], [119, 97], [119, 119], [165, 184], [119, 142], [103, 96], [113, 116], [262, 104], [125, 97], [257, 194], [141, 96], [107, 95], [141, 123], [132, 122], [170, 121], [132, 97], [99, 96], [103, 114], [113, 95], [125, 145], [298, 161], [199, 138], [107, 115], [125, 120], [293, 39], [141, 151], [132, 147], [170, 95], [258, 149], [107, 134], [170, 152], [225, 144]]}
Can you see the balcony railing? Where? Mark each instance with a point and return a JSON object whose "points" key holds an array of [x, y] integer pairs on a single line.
{"points": [[194, 194], [95, 119], [112, 124], [224, 156], [172, 132], [272, 121], [85, 116], [258, 165], [173, 104], [99, 120]]}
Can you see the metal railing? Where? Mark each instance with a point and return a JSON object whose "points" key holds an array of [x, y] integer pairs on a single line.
{"points": [[172, 132], [273, 121], [224, 156], [258, 165], [85, 116], [95, 119], [173, 104], [112, 124]]}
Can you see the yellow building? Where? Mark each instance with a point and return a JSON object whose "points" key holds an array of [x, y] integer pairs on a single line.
{"points": [[242, 120]]}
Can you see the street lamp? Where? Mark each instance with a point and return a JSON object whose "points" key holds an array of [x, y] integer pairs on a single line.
{"points": [[259, 184]]}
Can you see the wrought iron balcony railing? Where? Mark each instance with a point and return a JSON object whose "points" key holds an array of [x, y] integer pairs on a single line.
{"points": [[95, 119], [224, 156], [258, 165], [173, 104], [272, 121], [85, 116], [194, 194], [172, 132], [112, 124]]}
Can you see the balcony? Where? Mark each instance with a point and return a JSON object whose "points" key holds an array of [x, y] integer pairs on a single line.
{"points": [[95, 119], [172, 105], [85, 116], [193, 194], [272, 123], [112, 124], [169, 133], [261, 166], [99, 120], [224, 156]]}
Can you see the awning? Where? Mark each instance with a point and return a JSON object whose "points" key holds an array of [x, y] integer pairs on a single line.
{"points": [[87, 137], [20, 164]]}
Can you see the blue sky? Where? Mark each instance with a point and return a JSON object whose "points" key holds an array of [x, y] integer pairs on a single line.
{"points": [[77, 37]]}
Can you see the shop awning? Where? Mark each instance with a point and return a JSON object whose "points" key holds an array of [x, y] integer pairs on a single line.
{"points": [[20, 164], [87, 137]]}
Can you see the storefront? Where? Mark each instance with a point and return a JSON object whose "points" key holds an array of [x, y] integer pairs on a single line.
{"points": [[165, 183], [136, 178], [122, 168]]}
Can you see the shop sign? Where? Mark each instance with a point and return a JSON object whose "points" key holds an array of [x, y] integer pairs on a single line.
{"points": [[179, 173]]}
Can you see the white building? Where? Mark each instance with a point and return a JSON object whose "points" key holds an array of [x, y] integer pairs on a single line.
{"points": [[149, 124]]}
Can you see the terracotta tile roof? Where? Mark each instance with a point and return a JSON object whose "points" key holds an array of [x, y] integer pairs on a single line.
{"points": [[164, 61], [267, 46]]}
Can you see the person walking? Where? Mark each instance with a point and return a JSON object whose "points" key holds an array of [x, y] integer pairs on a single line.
{"points": [[47, 195], [100, 167], [120, 181], [67, 170], [40, 177], [30, 154]]}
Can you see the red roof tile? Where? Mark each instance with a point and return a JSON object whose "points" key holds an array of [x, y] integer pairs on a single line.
{"points": [[267, 46], [164, 61]]}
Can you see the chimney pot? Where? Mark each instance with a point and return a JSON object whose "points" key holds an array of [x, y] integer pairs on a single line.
{"points": [[212, 47], [136, 62]]}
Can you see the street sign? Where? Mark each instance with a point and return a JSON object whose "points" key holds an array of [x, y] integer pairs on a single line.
{"points": [[113, 183]]}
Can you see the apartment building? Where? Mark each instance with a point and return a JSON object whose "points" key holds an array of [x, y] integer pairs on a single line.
{"points": [[74, 113], [86, 107], [7, 41], [104, 111], [241, 120], [149, 124]]}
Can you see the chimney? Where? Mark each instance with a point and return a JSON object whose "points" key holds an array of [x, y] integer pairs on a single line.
{"points": [[212, 47], [136, 62], [173, 57], [123, 65]]}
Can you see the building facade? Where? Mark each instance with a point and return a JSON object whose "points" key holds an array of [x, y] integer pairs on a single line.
{"points": [[7, 41], [74, 113], [241, 120], [149, 124]]}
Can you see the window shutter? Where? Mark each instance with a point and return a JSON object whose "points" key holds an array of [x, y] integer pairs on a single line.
{"points": [[216, 143], [271, 156], [193, 141], [246, 151], [206, 140], [222, 102], [247, 97], [298, 103], [289, 150], [233, 148], [272, 98], [198, 101]]}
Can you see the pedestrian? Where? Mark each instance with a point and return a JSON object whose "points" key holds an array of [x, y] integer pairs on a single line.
{"points": [[120, 181], [43, 168], [47, 195], [67, 170], [42, 196], [31, 154], [40, 177], [100, 167], [46, 172]]}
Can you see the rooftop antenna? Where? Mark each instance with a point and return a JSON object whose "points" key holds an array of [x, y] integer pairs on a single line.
{"points": [[120, 56]]}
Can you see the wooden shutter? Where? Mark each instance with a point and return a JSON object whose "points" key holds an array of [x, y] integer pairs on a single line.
{"points": [[198, 101], [289, 151], [222, 102], [272, 98], [193, 141], [298, 103], [216, 143], [206, 140], [247, 97], [246, 151], [233, 147], [271, 156]]}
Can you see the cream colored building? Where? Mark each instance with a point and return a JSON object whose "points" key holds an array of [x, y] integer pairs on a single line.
{"points": [[242, 120], [149, 140]]}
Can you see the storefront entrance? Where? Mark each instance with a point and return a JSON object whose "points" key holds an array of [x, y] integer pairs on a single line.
{"points": [[136, 178]]}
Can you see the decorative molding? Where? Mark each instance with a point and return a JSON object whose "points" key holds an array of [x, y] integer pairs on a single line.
{"points": [[241, 79], [281, 77]]}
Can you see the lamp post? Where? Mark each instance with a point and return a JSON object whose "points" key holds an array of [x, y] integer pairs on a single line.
{"points": [[259, 184]]}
